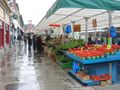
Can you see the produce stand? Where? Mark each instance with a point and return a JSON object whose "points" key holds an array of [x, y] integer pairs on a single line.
{"points": [[96, 66], [84, 12], [63, 61]]}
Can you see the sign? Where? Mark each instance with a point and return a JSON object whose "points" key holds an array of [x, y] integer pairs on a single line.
{"points": [[54, 25], [77, 28], [15, 16], [113, 31], [94, 23], [68, 29]]}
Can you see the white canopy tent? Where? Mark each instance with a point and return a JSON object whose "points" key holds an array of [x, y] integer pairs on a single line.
{"points": [[83, 12], [68, 13]]}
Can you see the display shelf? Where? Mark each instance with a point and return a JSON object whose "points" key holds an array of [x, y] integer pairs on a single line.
{"points": [[86, 61], [84, 82], [98, 66], [114, 57], [108, 58]]}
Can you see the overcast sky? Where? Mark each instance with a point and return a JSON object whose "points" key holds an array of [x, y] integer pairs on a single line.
{"points": [[34, 10]]}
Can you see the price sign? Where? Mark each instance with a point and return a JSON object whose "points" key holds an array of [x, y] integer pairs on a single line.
{"points": [[94, 23], [77, 27]]}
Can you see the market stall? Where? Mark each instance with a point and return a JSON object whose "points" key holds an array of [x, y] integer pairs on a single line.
{"points": [[96, 61], [89, 15]]}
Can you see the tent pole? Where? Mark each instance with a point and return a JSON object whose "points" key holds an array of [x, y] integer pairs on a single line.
{"points": [[86, 29], [110, 24], [72, 28], [95, 32]]}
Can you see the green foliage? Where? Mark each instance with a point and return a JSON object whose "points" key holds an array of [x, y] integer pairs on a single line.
{"points": [[72, 44]]}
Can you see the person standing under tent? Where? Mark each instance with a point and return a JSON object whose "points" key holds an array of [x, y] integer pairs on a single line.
{"points": [[39, 44]]}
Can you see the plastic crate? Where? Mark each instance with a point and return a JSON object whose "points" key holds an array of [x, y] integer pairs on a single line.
{"points": [[86, 61], [101, 77]]}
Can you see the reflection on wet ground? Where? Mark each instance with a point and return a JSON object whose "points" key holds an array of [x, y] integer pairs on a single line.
{"points": [[21, 69]]}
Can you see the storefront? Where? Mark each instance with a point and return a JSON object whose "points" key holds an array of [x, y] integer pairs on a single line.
{"points": [[1, 28], [7, 30], [1, 34], [4, 25]]}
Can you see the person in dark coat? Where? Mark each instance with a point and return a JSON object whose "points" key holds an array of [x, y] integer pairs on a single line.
{"points": [[29, 42], [90, 41], [39, 43], [19, 38], [34, 42], [25, 40]]}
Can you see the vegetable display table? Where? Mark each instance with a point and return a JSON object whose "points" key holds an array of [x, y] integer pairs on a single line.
{"points": [[106, 65]]}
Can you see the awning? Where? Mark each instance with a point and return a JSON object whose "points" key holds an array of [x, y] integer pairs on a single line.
{"points": [[90, 4], [65, 11]]}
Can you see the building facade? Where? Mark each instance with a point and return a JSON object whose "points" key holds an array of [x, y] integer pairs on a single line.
{"points": [[5, 13], [17, 23], [9, 26]]}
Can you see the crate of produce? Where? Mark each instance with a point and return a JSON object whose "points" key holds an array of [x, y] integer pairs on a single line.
{"points": [[101, 77], [85, 61]]}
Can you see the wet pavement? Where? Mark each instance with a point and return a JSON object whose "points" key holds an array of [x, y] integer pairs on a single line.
{"points": [[21, 69]]}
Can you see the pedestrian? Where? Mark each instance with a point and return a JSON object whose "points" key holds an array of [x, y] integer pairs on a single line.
{"points": [[25, 40], [90, 41], [34, 42], [39, 44], [19, 38], [29, 42]]}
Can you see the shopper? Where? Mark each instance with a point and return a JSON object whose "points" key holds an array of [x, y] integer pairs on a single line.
{"points": [[29, 42], [90, 41], [25, 40], [39, 44], [19, 38], [34, 42]]}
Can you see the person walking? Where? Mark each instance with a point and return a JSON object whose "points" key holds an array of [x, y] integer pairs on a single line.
{"points": [[29, 42], [39, 44], [34, 42], [19, 38], [25, 40]]}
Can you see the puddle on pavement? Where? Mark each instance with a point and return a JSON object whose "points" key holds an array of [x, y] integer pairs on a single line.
{"points": [[22, 86]]}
